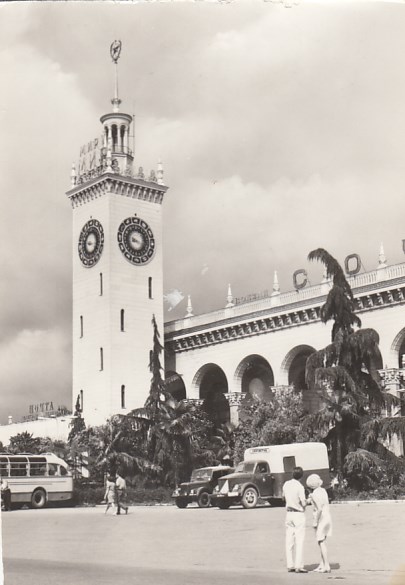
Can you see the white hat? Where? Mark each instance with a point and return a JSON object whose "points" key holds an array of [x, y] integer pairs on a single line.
{"points": [[314, 481]]}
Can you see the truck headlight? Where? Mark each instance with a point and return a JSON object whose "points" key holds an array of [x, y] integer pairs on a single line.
{"points": [[192, 492], [216, 489], [236, 487], [176, 492]]}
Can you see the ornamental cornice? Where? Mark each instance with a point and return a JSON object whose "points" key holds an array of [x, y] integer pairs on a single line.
{"points": [[233, 329], [116, 185]]}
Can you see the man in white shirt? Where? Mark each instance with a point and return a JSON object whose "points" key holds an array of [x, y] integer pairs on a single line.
{"points": [[294, 495], [121, 488]]}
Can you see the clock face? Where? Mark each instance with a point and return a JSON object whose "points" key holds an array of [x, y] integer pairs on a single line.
{"points": [[136, 240], [91, 243]]}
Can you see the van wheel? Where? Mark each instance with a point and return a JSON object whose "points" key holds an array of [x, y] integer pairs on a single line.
{"points": [[181, 503], [38, 499], [204, 500], [250, 498]]}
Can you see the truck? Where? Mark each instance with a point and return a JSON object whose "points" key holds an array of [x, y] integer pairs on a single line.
{"points": [[200, 487], [264, 470]]}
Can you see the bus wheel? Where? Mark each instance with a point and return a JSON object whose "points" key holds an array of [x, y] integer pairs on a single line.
{"points": [[38, 499], [250, 497]]}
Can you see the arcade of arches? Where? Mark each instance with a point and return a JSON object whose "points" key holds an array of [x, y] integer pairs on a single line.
{"points": [[254, 377]]}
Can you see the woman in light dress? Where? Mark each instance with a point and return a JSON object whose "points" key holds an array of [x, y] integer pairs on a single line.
{"points": [[322, 519], [110, 495]]}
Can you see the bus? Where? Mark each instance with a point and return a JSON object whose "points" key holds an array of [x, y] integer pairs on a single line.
{"points": [[36, 479]]}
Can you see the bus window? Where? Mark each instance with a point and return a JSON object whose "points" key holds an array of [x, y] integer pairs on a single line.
{"points": [[62, 470], [3, 466], [18, 467], [52, 469], [37, 466], [289, 463]]}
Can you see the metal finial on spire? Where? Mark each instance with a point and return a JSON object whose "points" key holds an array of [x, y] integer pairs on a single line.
{"points": [[115, 52]]}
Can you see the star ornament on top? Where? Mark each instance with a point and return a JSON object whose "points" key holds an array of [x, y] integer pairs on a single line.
{"points": [[115, 50]]}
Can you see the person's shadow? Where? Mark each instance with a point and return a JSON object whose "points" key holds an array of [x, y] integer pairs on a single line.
{"points": [[333, 566]]}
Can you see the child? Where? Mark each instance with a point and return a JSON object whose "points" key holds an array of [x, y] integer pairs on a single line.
{"points": [[322, 519]]}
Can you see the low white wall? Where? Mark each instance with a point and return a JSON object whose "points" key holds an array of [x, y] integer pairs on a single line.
{"points": [[55, 428]]}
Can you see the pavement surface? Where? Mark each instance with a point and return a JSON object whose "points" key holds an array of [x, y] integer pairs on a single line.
{"points": [[162, 545]]}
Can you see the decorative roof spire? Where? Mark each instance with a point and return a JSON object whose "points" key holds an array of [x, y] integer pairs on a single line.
{"points": [[276, 286], [160, 173], [73, 175], [229, 298], [115, 51], [382, 261], [189, 308]]}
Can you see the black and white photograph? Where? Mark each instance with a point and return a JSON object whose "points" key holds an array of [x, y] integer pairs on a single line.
{"points": [[202, 301]]}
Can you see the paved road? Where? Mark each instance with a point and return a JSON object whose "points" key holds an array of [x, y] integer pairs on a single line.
{"points": [[167, 546]]}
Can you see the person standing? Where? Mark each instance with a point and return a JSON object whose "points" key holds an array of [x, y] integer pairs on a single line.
{"points": [[294, 495], [110, 493], [322, 519], [121, 486], [5, 495]]}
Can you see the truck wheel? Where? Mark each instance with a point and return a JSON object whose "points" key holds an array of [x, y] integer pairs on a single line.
{"points": [[38, 499], [223, 504], [181, 503], [204, 500], [250, 497]]}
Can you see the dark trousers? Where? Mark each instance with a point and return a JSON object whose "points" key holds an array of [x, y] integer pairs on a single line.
{"points": [[6, 499]]}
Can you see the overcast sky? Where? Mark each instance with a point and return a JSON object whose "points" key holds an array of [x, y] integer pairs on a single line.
{"points": [[280, 129]]}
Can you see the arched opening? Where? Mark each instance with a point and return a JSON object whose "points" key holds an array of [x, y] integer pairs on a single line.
{"points": [[175, 385], [293, 367], [212, 385], [114, 137], [255, 376], [122, 320], [123, 396]]}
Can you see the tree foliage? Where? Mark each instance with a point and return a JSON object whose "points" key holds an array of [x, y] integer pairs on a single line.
{"points": [[345, 375], [279, 421]]}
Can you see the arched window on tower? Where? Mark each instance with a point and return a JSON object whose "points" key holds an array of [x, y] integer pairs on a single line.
{"points": [[81, 400], [123, 396], [81, 325], [122, 320], [101, 284], [101, 359], [150, 287]]}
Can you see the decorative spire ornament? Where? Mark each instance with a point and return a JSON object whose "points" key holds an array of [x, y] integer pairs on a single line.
{"points": [[189, 308], [276, 286], [73, 175], [229, 298], [382, 261], [115, 52], [160, 173]]}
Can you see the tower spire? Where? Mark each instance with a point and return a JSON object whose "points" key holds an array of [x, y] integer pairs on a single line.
{"points": [[115, 51]]}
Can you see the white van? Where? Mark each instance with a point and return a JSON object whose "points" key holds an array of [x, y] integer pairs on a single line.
{"points": [[264, 470]]}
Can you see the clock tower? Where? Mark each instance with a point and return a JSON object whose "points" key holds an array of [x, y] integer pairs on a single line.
{"points": [[117, 269]]}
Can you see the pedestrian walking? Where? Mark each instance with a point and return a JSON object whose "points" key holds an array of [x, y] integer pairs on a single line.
{"points": [[5, 495], [121, 486], [322, 521], [110, 496], [294, 495]]}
